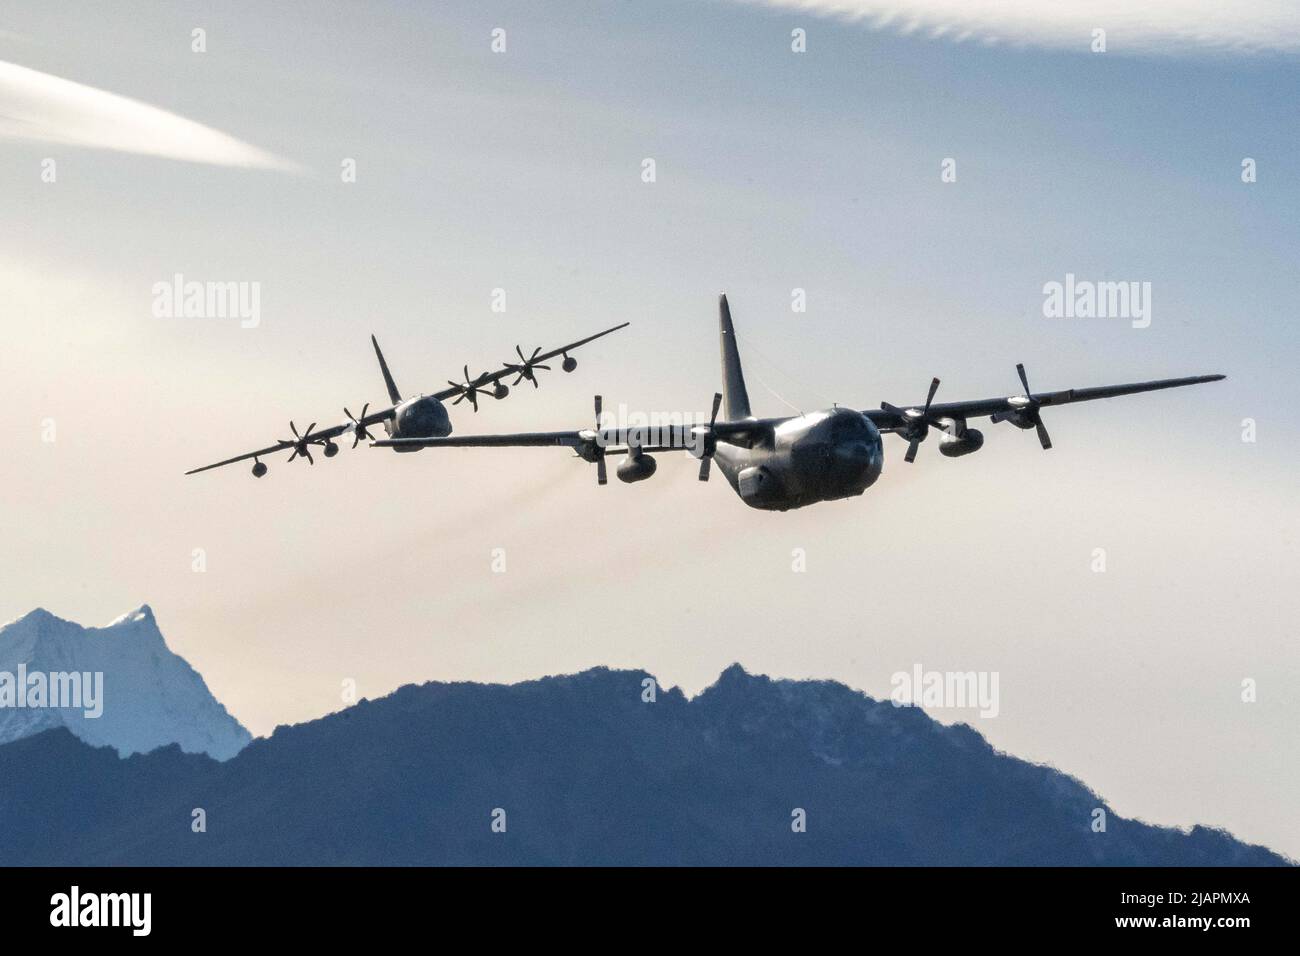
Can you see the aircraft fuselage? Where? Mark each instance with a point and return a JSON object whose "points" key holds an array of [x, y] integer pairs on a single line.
{"points": [[420, 417], [821, 456]]}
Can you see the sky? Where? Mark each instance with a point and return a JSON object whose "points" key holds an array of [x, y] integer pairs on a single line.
{"points": [[522, 170]]}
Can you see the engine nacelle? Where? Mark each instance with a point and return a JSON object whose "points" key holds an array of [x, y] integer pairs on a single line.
{"points": [[954, 447], [1015, 417], [637, 468]]}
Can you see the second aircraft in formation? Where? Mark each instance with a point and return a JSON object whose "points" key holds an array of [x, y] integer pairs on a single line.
{"points": [[418, 416]]}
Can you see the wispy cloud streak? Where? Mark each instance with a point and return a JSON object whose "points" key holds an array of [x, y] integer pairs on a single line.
{"points": [[45, 108], [1169, 26]]}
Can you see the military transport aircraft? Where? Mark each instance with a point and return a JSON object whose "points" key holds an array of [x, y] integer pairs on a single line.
{"points": [[777, 464], [420, 416]]}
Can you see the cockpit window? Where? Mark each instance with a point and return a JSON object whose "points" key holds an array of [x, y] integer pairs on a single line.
{"points": [[848, 426]]}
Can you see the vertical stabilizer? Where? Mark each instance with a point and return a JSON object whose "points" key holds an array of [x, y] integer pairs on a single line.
{"points": [[734, 397], [393, 394]]}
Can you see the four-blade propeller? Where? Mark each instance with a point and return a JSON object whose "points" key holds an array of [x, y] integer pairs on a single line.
{"points": [[708, 440], [916, 422], [359, 431], [301, 443], [1025, 412], [525, 368], [470, 390], [594, 450]]}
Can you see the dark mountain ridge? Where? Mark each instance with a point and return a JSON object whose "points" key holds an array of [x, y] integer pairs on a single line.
{"points": [[586, 772]]}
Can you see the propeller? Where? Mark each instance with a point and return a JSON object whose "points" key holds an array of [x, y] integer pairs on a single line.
{"points": [[470, 390], [301, 443], [359, 431], [916, 422], [1044, 439], [525, 369], [597, 449], [1025, 410], [710, 440]]}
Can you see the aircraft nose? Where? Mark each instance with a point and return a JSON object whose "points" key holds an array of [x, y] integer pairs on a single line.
{"points": [[853, 454]]}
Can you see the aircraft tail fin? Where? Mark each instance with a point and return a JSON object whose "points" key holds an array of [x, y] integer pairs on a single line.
{"points": [[393, 394], [734, 396]]}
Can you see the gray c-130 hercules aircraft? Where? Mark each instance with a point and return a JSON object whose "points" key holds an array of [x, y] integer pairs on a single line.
{"points": [[776, 464], [419, 416]]}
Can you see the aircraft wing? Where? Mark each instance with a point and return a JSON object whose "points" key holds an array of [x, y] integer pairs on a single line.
{"points": [[516, 440], [268, 450], [525, 362], [611, 439], [689, 437], [589, 444], [309, 438], [315, 437], [890, 416]]}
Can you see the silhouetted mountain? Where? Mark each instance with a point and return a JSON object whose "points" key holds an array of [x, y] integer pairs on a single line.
{"points": [[586, 773], [151, 697]]}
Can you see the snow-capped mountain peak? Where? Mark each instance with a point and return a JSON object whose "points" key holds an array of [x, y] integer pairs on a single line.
{"points": [[117, 685]]}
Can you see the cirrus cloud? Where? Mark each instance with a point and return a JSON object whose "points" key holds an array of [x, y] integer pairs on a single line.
{"points": [[1167, 26], [45, 108]]}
